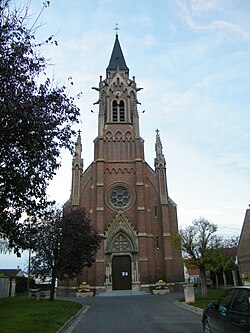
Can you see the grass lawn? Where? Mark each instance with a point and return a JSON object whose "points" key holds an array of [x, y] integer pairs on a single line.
{"points": [[213, 295], [23, 315]]}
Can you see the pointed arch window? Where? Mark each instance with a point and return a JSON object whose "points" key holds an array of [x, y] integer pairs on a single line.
{"points": [[122, 111], [114, 111], [118, 111]]}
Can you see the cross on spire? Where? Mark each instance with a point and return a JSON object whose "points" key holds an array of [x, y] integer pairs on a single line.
{"points": [[158, 145], [116, 29], [78, 138]]}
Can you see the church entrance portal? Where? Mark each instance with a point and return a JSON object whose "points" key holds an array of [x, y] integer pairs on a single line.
{"points": [[121, 273]]}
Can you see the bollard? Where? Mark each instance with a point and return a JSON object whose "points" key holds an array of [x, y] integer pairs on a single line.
{"points": [[189, 293]]}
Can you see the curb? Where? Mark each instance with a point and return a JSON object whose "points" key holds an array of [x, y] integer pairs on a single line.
{"points": [[70, 320], [190, 307]]}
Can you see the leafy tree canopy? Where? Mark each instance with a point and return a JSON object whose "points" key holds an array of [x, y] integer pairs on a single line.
{"points": [[196, 242], [198, 239], [35, 123], [65, 244]]}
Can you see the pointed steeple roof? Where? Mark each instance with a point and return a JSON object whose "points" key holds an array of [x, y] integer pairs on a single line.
{"points": [[158, 144], [77, 159], [117, 59], [160, 159]]}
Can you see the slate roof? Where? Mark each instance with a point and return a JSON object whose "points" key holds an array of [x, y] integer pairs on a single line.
{"points": [[117, 59]]}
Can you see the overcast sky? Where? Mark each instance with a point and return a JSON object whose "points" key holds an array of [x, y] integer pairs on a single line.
{"points": [[192, 58]]}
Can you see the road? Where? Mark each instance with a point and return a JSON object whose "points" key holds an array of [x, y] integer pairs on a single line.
{"points": [[135, 314]]}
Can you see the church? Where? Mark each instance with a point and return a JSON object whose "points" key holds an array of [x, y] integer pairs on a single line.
{"points": [[127, 201]]}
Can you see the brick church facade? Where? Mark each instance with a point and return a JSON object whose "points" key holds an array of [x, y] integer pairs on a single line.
{"points": [[127, 201]]}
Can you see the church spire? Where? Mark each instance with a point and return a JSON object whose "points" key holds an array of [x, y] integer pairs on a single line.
{"points": [[78, 146], [160, 169], [160, 159], [77, 168], [117, 60]]}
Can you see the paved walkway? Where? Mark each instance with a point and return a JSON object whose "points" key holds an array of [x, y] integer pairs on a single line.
{"points": [[134, 314]]}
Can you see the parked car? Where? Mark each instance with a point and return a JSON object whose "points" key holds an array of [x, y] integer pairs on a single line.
{"points": [[230, 314]]}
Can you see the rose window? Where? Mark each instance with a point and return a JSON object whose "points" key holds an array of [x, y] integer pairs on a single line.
{"points": [[119, 197]]}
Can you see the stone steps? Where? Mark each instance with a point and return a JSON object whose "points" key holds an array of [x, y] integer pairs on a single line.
{"points": [[116, 293]]}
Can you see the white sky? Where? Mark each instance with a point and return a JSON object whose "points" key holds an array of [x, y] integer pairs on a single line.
{"points": [[192, 57]]}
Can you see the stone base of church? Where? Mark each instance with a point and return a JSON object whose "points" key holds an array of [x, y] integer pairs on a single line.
{"points": [[136, 286], [108, 287], [71, 291]]}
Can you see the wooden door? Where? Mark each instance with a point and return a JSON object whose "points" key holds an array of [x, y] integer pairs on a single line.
{"points": [[121, 273]]}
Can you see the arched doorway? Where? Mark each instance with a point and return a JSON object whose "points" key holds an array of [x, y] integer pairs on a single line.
{"points": [[121, 273], [121, 255]]}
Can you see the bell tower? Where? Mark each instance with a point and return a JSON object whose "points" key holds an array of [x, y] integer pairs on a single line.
{"points": [[118, 118], [127, 201]]}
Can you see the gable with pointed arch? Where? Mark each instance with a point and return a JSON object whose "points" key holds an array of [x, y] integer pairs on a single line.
{"points": [[119, 232]]}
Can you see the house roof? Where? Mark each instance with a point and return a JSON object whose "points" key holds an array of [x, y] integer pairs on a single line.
{"points": [[11, 272], [117, 60], [230, 252], [193, 271]]}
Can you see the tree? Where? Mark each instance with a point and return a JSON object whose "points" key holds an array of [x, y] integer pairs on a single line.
{"points": [[223, 260], [221, 263], [215, 264], [231, 242], [196, 241], [35, 123], [4, 246], [228, 262], [65, 244]]}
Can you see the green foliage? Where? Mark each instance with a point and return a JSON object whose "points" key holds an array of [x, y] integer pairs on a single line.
{"points": [[78, 245], [35, 123], [212, 296], [47, 239], [65, 244], [220, 261], [196, 242], [22, 315]]}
